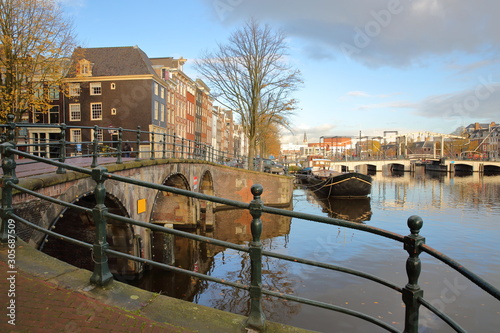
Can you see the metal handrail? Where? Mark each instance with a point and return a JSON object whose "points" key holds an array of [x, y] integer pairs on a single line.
{"points": [[170, 145], [413, 243]]}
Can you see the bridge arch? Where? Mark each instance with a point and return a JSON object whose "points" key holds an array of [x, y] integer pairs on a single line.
{"points": [[463, 167], [169, 210], [174, 209], [207, 216], [491, 169], [80, 225]]}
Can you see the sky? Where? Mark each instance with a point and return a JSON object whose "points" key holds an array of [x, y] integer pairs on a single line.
{"points": [[368, 66]]}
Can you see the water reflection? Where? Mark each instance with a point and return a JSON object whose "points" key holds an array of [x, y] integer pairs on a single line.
{"points": [[455, 209], [231, 226], [354, 210]]}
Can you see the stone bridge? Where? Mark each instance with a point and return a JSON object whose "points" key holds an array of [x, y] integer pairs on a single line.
{"points": [[141, 203], [367, 166]]}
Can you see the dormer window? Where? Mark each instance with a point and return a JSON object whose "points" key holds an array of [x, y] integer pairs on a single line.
{"points": [[85, 68]]}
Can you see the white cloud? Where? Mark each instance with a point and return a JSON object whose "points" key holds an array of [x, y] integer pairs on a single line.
{"points": [[480, 103], [379, 32]]}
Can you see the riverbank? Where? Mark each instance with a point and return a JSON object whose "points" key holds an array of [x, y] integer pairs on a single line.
{"points": [[47, 295]]}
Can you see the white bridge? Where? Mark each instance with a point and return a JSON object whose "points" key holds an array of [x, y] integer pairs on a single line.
{"points": [[366, 166]]}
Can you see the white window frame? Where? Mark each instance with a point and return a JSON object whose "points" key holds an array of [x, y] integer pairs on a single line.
{"points": [[74, 114], [95, 88], [74, 89], [156, 110], [95, 114], [75, 135]]}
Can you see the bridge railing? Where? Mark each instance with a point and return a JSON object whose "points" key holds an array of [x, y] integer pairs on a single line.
{"points": [[53, 141], [414, 244]]}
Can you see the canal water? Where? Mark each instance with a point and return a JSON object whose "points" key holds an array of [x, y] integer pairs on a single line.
{"points": [[461, 219]]}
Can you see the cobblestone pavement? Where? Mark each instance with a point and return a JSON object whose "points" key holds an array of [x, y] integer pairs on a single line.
{"points": [[41, 307]]}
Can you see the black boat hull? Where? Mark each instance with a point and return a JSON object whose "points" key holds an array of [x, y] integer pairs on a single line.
{"points": [[346, 185]]}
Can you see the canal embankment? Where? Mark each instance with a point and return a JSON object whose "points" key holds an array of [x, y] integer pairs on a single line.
{"points": [[50, 295]]}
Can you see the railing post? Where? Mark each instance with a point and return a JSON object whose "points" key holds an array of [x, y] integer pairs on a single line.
{"points": [[182, 148], [101, 275], [412, 291], [174, 148], [119, 151], [94, 147], [256, 317], [152, 143], [9, 176], [62, 149], [138, 139], [164, 156]]}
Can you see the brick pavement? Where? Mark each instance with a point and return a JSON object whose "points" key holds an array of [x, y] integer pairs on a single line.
{"points": [[42, 307]]}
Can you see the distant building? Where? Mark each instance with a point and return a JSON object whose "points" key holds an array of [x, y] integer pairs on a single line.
{"points": [[484, 139]]}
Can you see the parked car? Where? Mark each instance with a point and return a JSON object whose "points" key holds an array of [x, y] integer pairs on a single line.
{"points": [[273, 167]]}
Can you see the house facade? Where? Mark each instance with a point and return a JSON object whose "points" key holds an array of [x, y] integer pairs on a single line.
{"points": [[484, 139], [114, 87]]}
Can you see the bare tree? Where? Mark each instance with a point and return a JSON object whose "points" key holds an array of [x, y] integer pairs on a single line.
{"points": [[250, 75], [35, 43]]}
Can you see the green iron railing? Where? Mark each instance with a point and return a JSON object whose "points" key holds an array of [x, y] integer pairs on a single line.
{"points": [[414, 244], [139, 144]]}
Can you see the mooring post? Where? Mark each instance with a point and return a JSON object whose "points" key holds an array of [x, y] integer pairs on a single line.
{"points": [[7, 227], [119, 150], [412, 291], [256, 318], [101, 275], [62, 149]]}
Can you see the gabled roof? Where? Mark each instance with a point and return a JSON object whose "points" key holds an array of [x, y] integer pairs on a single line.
{"points": [[116, 61]]}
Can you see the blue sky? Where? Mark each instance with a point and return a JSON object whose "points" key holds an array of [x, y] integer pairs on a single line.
{"points": [[367, 65]]}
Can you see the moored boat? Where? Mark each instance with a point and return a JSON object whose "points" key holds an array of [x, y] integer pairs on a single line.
{"points": [[338, 184]]}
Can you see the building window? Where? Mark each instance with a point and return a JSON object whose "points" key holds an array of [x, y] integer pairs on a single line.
{"points": [[156, 110], [75, 135], [54, 115], [85, 69], [95, 111], [74, 89], [113, 86], [162, 112], [162, 92], [156, 88], [113, 111], [37, 116], [54, 93], [95, 88], [75, 113]]}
